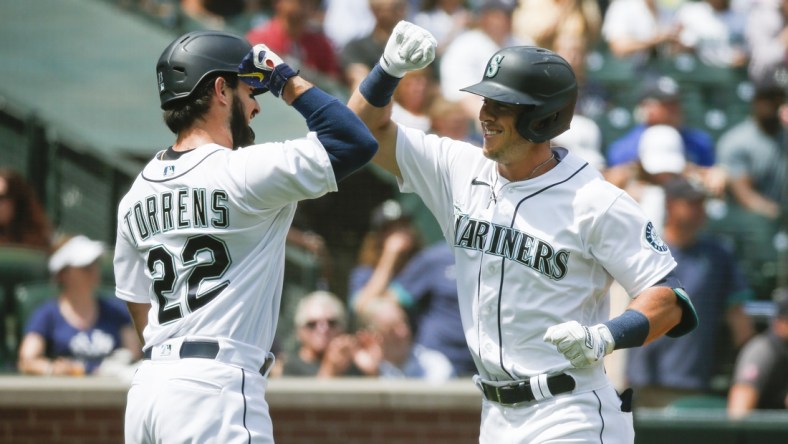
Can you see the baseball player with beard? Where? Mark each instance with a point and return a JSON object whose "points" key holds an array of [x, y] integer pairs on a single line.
{"points": [[200, 245], [538, 238]]}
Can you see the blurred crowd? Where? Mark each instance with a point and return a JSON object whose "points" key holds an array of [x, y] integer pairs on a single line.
{"points": [[718, 199]]}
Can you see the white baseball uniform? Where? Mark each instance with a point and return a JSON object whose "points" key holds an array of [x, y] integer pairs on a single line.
{"points": [[202, 238], [530, 255]]}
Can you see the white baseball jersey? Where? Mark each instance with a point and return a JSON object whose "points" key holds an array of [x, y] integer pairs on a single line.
{"points": [[202, 238], [530, 254]]}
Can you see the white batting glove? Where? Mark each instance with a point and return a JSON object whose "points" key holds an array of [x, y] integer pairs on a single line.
{"points": [[264, 58], [264, 70], [409, 48], [581, 345]]}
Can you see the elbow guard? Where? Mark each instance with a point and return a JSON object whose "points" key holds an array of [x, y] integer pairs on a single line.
{"points": [[689, 317]]}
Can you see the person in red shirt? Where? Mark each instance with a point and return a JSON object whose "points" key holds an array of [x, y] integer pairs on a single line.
{"points": [[300, 42]]}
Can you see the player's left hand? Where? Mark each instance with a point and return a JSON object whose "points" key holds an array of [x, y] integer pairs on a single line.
{"points": [[264, 70], [582, 345]]}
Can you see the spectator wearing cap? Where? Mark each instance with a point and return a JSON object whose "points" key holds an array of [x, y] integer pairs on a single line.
{"points": [[660, 157], [760, 380], [74, 333], [660, 104], [668, 369]]}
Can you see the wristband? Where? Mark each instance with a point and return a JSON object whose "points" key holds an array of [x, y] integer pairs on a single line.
{"points": [[629, 330], [378, 87], [279, 77]]}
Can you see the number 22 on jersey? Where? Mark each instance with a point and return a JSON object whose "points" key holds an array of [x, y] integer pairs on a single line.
{"points": [[169, 292]]}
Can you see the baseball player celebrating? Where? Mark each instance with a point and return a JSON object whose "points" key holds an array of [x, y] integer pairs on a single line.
{"points": [[538, 238], [201, 236]]}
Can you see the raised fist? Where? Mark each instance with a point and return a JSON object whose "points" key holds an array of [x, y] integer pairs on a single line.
{"points": [[409, 48]]}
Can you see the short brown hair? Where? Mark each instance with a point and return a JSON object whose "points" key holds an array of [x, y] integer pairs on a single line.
{"points": [[183, 113]]}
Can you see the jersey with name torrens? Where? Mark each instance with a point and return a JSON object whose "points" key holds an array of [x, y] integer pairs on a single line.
{"points": [[202, 237], [529, 254]]}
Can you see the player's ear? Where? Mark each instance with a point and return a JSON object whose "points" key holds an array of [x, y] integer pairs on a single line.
{"points": [[221, 89]]}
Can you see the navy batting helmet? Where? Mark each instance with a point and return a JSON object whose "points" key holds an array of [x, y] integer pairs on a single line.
{"points": [[191, 57], [527, 75]]}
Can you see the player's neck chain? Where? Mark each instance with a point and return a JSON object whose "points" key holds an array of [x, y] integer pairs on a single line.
{"points": [[494, 186], [538, 167]]}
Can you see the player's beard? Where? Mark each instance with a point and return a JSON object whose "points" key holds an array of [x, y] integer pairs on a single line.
{"points": [[242, 133]]}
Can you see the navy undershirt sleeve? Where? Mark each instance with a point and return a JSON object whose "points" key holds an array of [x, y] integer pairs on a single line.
{"points": [[347, 140]]}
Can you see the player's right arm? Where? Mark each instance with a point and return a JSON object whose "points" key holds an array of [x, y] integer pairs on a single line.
{"points": [[139, 317], [347, 142], [409, 48]]}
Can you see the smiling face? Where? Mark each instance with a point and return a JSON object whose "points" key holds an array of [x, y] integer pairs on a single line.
{"points": [[502, 142]]}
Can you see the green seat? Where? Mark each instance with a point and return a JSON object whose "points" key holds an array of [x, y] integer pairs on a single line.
{"points": [[107, 269], [20, 264], [713, 402], [28, 297], [5, 346], [17, 265]]}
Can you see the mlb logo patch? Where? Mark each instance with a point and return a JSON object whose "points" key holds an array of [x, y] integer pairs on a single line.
{"points": [[169, 170], [165, 350]]}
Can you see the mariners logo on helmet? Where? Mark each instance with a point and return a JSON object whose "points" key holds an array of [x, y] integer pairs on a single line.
{"points": [[494, 65]]}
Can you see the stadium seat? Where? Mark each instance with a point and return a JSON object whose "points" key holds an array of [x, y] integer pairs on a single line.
{"points": [[17, 265], [699, 402], [5, 349], [107, 269], [29, 296]]}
